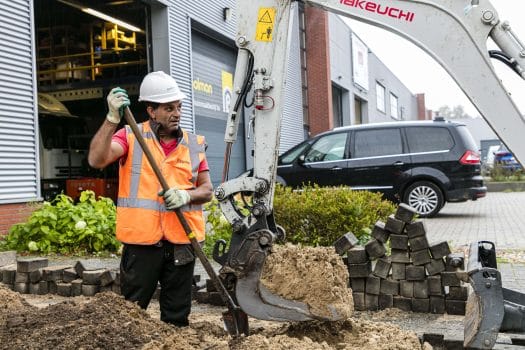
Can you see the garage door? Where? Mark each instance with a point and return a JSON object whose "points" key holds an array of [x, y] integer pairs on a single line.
{"points": [[213, 68]]}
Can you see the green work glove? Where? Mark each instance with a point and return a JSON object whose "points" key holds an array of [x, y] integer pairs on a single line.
{"points": [[117, 100], [175, 198]]}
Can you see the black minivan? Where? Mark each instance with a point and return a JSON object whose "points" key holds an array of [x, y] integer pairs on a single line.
{"points": [[422, 163]]}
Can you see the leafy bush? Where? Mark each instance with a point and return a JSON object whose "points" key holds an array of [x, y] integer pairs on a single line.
{"points": [[500, 174], [61, 226], [320, 215], [314, 216]]}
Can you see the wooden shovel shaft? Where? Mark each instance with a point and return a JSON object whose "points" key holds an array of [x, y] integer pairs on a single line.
{"points": [[194, 243]]}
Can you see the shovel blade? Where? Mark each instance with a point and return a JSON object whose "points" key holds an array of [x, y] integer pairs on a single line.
{"points": [[236, 322]]}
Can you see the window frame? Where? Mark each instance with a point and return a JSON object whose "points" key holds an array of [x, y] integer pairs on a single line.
{"points": [[394, 110], [380, 97]]}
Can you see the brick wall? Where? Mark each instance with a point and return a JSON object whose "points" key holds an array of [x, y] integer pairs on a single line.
{"points": [[11, 214], [320, 111], [421, 108]]}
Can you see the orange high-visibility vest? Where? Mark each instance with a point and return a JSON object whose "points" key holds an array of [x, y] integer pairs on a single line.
{"points": [[142, 217]]}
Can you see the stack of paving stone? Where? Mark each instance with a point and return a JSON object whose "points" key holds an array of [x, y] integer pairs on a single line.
{"points": [[35, 276], [417, 276]]}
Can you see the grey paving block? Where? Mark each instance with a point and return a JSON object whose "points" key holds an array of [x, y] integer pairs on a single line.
{"points": [[394, 225], [35, 276], [398, 271], [52, 287], [54, 273], [458, 293], [389, 287], [434, 285], [345, 243], [22, 287], [406, 289], [421, 289], [107, 278], [64, 289], [76, 287], [403, 303], [382, 267], [31, 264], [21, 277], [43, 287], [373, 285], [7, 258], [92, 277], [88, 290], [415, 229], [405, 213], [437, 304], [415, 273], [359, 270], [420, 305], [439, 250], [455, 307], [399, 242], [385, 301], [34, 288], [371, 302], [450, 279], [359, 301], [418, 243], [358, 284], [421, 257], [8, 274], [399, 256], [436, 266], [70, 275], [455, 261], [379, 232], [357, 255], [375, 249]]}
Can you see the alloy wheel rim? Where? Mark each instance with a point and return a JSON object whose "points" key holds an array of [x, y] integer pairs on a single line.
{"points": [[424, 199]]}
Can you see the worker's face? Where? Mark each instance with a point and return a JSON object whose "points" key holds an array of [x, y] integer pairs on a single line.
{"points": [[167, 115]]}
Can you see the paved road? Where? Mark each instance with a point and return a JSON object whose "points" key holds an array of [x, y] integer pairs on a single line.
{"points": [[499, 217]]}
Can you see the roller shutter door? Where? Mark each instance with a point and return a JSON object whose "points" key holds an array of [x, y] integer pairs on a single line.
{"points": [[18, 144], [213, 68]]}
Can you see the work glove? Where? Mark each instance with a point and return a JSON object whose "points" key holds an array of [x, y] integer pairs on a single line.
{"points": [[175, 198], [117, 100]]}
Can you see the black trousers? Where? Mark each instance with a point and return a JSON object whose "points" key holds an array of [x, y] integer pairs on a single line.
{"points": [[142, 267]]}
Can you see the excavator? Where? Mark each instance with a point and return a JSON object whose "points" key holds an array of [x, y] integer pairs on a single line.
{"points": [[460, 46]]}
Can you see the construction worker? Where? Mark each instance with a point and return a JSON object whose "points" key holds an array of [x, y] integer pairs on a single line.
{"points": [[156, 248]]}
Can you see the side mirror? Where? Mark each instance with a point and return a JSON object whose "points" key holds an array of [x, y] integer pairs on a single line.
{"points": [[301, 159]]}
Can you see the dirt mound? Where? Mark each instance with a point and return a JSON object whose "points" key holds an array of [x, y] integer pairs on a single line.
{"points": [[105, 322], [315, 276], [11, 302]]}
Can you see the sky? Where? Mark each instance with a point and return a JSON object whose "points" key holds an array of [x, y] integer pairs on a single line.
{"points": [[422, 74]]}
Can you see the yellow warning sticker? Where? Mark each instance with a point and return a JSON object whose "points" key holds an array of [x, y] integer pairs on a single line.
{"points": [[265, 22]]}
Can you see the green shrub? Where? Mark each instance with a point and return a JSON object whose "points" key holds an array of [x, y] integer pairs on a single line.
{"points": [[61, 226], [319, 216], [500, 174], [314, 216]]}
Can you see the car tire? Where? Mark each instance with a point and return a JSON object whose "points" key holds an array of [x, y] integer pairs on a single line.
{"points": [[426, 197]]}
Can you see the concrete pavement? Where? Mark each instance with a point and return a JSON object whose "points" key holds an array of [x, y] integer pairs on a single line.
{"points": [[499, 217]]}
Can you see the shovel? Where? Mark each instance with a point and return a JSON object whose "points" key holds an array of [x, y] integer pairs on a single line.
{"points": [[235, 320]]}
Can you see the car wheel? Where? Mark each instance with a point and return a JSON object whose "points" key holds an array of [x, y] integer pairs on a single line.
{"points": [[425, 197]]}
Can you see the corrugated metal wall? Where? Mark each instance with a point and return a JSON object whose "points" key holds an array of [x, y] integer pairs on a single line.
{"points": [[18, 144]]}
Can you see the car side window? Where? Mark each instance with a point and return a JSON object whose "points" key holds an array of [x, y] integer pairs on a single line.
{"points": [[429, 139], [329, 147], [377, 142], [290, 156]]}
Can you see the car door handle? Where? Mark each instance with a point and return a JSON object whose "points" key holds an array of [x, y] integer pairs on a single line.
{"points": [[398, 163], [336, 168]]}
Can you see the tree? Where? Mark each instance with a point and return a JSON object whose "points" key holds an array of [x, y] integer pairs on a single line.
{"points": [[457, 112]]}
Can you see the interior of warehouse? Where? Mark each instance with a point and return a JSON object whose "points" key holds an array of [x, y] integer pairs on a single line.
{"points": [[84, 49]]}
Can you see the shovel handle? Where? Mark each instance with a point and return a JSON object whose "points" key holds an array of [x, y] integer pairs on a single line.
{"points": [[226, 297]]}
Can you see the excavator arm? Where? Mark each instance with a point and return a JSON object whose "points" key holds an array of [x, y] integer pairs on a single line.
{"points": [[453, 32]]}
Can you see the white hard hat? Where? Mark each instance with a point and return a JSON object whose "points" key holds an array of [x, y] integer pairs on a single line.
{"points": [[160, 87]]}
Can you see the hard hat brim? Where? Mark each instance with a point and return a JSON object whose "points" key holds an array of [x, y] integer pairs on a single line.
{"points": [[164, 98]]}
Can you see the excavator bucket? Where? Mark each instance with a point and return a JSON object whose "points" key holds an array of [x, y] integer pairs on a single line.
{"points": [[252, 296]]}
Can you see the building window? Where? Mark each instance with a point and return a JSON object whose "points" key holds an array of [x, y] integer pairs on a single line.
{"points": [[393, 106], [380, 97], [337, 105]]}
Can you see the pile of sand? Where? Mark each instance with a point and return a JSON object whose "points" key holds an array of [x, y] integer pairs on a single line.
{"points": [[315, 276]]}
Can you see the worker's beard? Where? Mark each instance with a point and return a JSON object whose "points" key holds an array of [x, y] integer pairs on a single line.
{"points": [[159, 131]]}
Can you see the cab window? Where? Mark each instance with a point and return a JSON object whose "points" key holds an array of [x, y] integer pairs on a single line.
{"points": [[328, 148]]}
